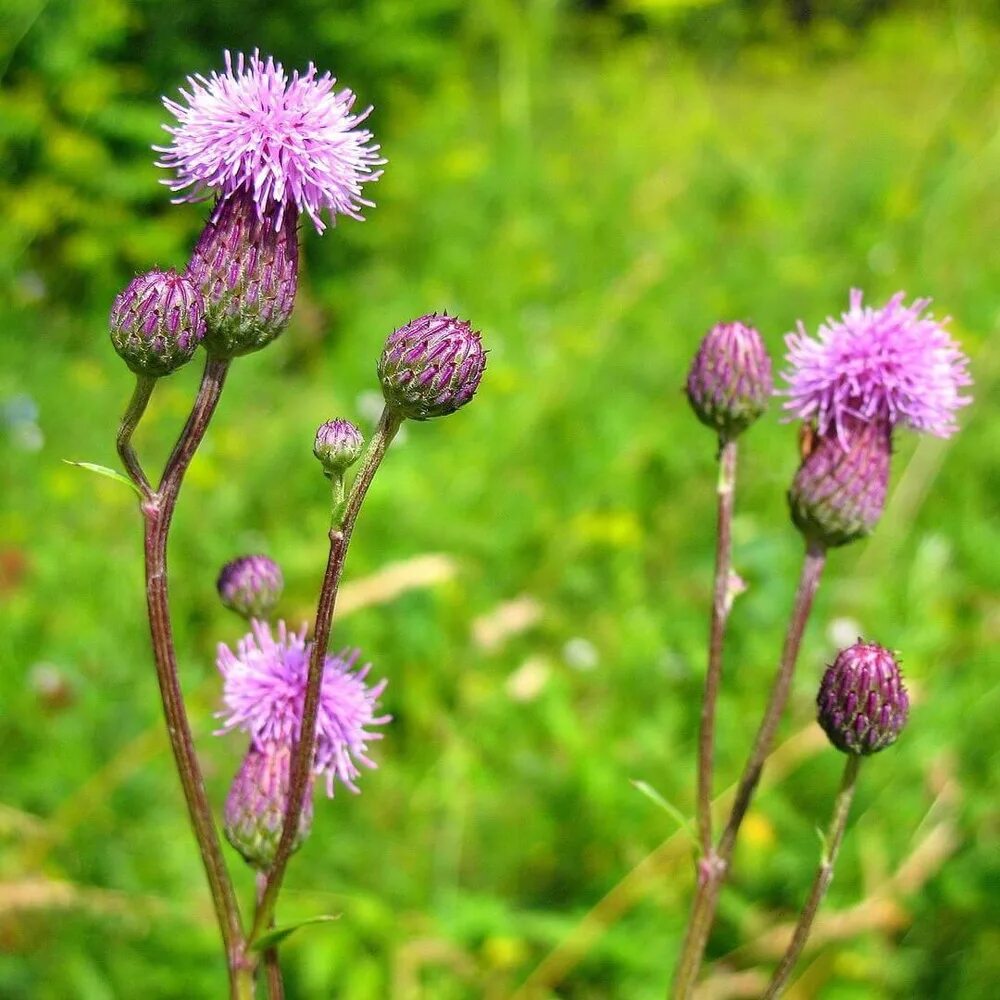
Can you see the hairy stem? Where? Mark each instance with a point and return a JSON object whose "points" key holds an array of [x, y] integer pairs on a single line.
{"points": [[144, 386], [716, 867], [824, 876], [300, 782], [158, 510], [721, 603]]}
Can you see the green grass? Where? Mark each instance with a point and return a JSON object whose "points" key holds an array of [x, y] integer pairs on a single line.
{"points": [[592, 208]]}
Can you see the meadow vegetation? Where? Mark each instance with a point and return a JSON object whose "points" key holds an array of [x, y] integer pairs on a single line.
{"points": [[593, 188]]}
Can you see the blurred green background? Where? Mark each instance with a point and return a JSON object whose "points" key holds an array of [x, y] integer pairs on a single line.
{"points": [[593, 184]]}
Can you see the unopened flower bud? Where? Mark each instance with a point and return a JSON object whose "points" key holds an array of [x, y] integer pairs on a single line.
{"points": [[255, 807], [730, 381], [431, 367], [157, 322], [862, 700], [251, 586], [338, 446], [247, 269], [838, 493]]}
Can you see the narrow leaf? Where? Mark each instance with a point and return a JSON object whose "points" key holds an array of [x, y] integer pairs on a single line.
{"points": [[103, 470], [671, 810], [278, 934]]}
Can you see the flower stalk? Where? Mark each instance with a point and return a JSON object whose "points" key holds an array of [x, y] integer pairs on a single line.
{"points": [[273, 982], [721, 604], [302, 753], [157, 510], [824, 876], [144, 385], [716, 866]]}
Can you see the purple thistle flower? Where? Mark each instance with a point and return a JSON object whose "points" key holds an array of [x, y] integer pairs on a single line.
{"points": [[264, 692], [893, 363], [289, 141]]}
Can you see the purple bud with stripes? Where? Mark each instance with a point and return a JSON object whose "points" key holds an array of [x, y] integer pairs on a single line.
{"points": [[248, 272], [255, 807], [730, 382], [862, 701], [157, 323], [431, 367], [838, 493]]}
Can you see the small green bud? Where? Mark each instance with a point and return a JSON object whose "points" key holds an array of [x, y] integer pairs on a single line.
{"points": [[338, 446]]}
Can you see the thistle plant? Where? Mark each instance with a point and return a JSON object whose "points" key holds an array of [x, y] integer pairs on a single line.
{"points": [[268, 149], [851, 387]]}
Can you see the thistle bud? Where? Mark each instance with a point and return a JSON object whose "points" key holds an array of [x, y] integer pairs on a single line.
{"points": [[730, 381], [862, 700], [251, 586], [255, 807], [839, 491], [157, 323], [431, 367], [247, 269], [338, 446]]}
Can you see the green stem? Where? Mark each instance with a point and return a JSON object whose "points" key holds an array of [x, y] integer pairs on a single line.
{"points": [[301, 765], [824, 876]]}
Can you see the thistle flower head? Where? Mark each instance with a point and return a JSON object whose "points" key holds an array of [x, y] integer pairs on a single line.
{"points": [[893, 363], [431, 366], [157, 322], [838, 493], [862, 700], [251, 585], [255, 807], [264, 695], [248, 272], [292, 142], [729, 384], [338, 446]]}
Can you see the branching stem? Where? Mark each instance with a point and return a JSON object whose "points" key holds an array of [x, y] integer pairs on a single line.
{"points": [[715, 866], [157, 510]]}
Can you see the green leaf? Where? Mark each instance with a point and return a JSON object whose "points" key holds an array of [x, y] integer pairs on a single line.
{"points": [[103, 470], [669, 808], [278, 934]]}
